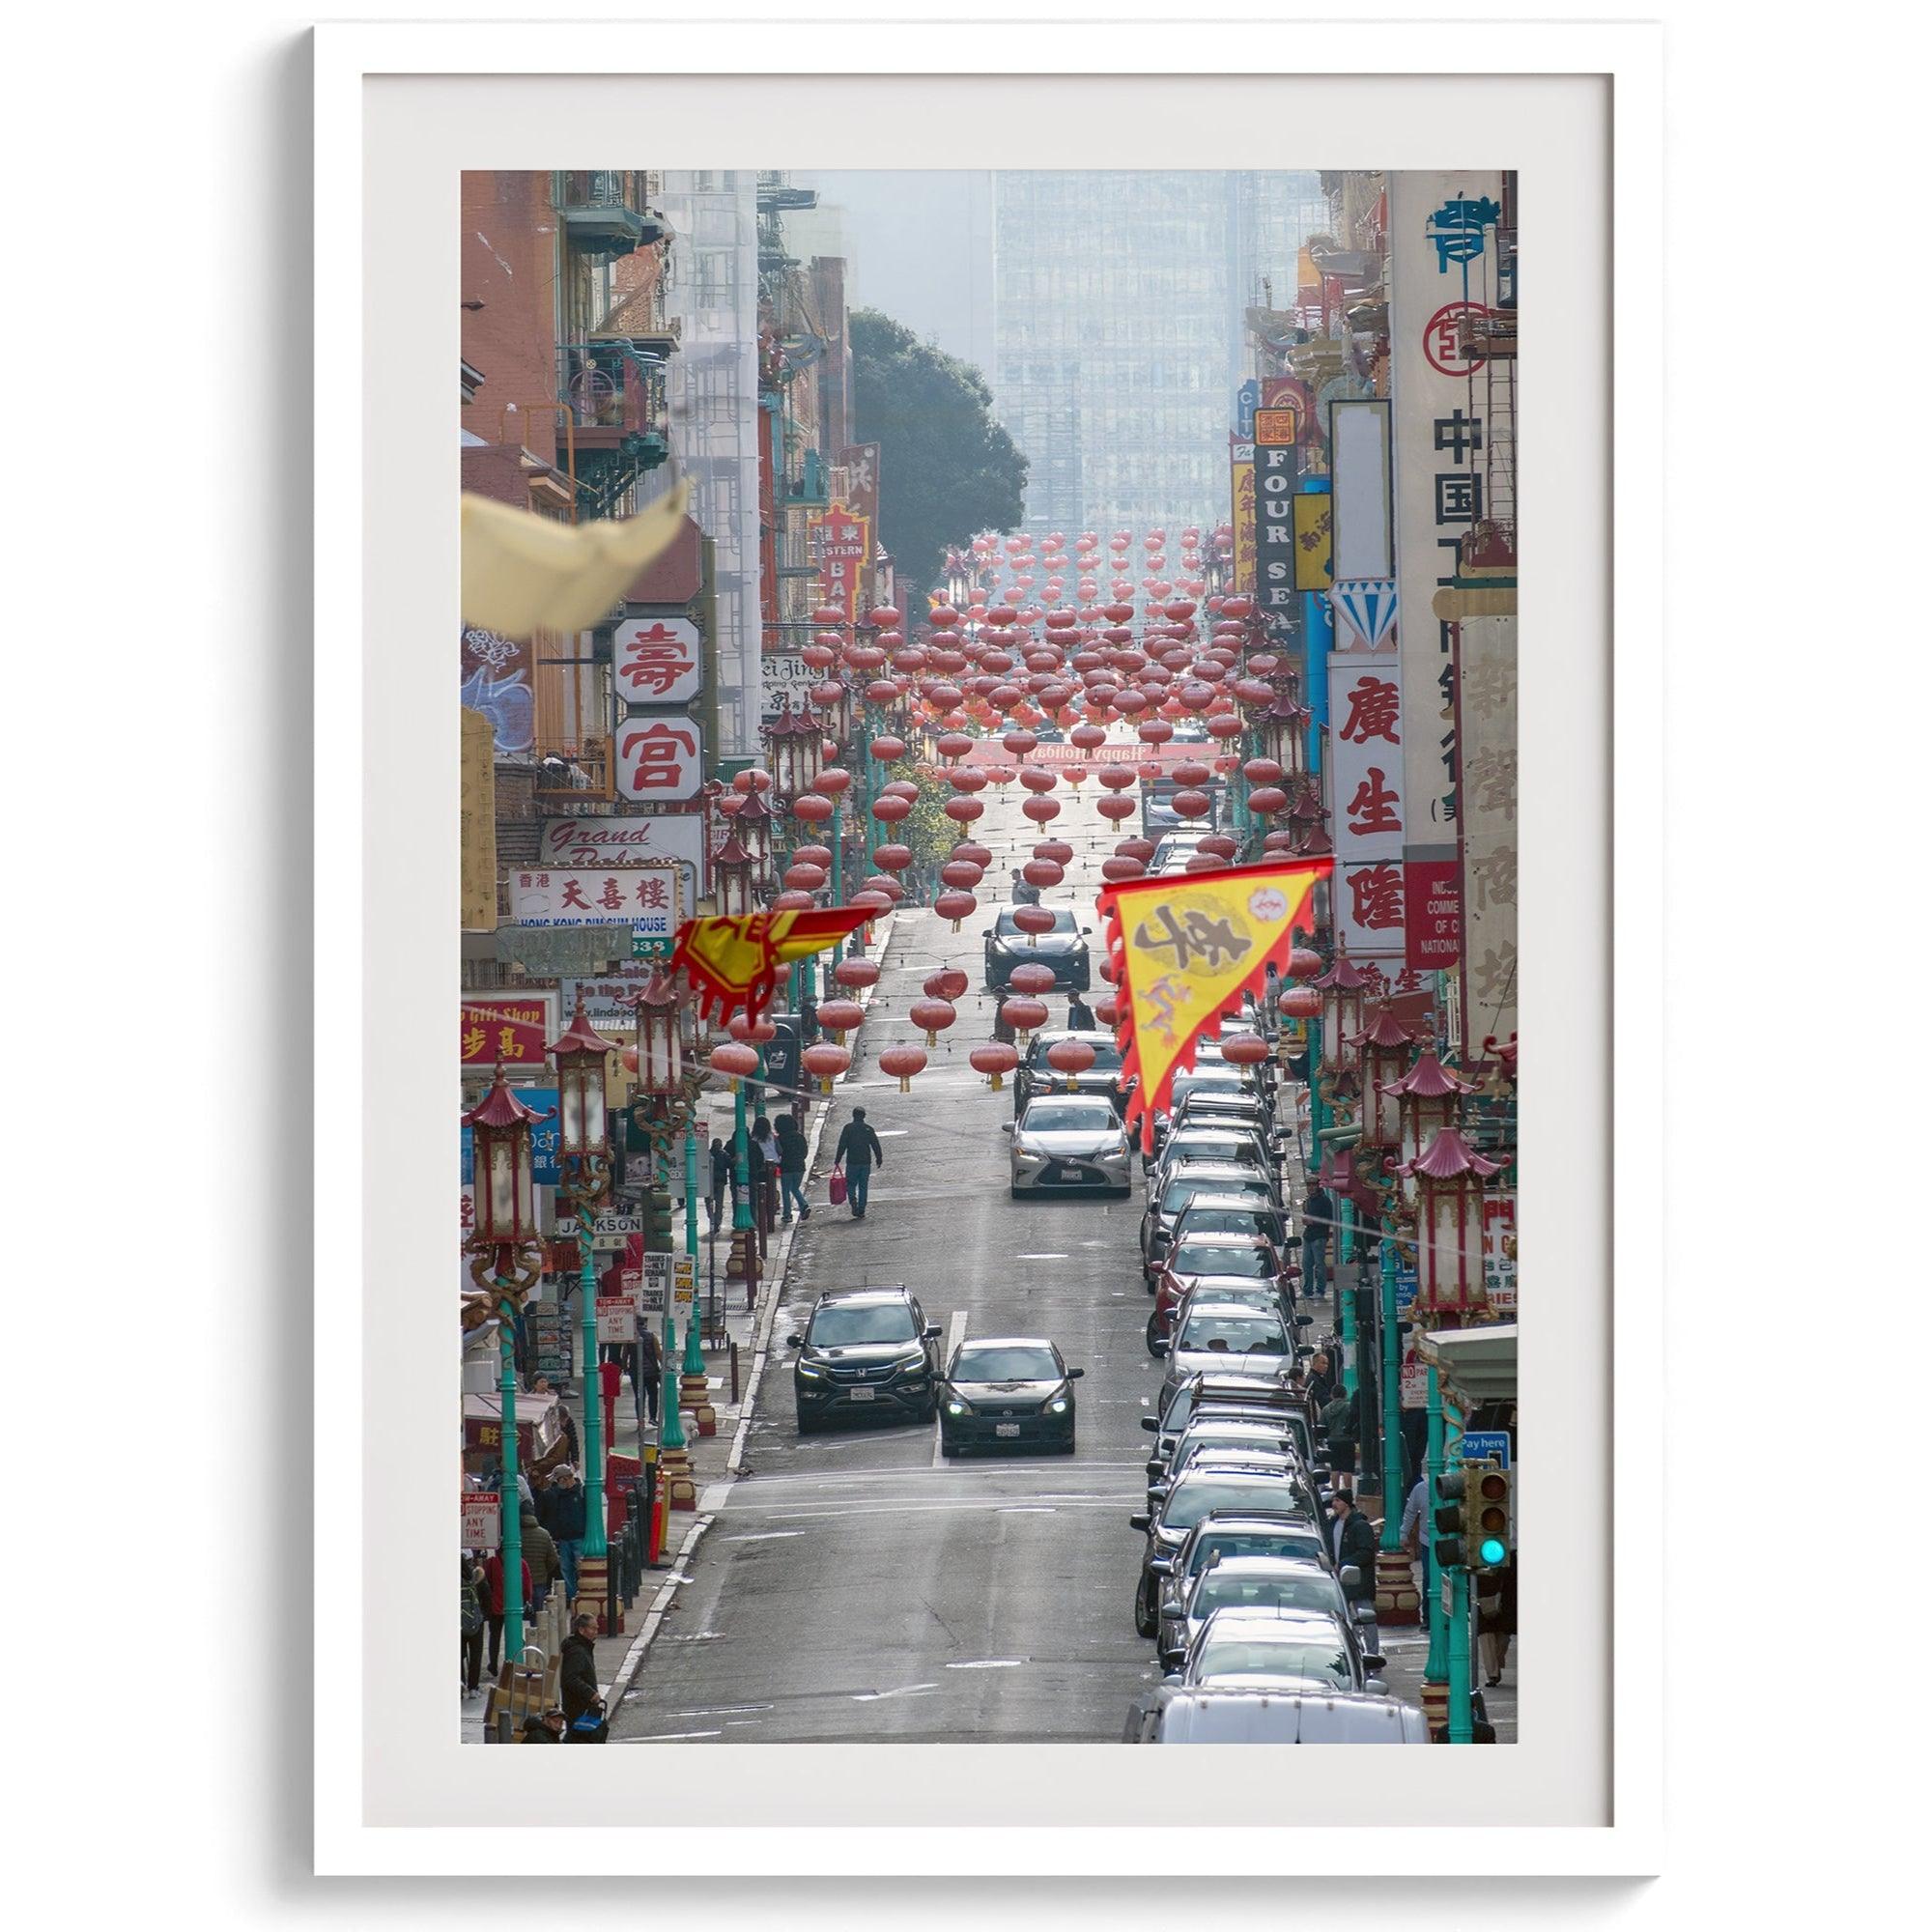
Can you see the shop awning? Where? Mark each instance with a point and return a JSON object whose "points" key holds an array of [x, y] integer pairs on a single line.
{"points": [[1477, 1365]]}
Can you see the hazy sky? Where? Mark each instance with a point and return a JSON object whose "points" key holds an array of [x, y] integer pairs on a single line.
{"points": [[919, 248]]}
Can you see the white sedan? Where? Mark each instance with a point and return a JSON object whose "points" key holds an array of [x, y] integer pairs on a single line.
{"points": [[1070, 1141]]}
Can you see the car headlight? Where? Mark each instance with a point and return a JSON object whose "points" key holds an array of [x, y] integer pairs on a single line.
{"points": [[954, 1406], [1057, 1406], [915, 1362], [811, 1371]]}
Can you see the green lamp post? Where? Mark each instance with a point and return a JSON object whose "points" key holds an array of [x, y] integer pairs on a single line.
{"points": [[506, 1262]]}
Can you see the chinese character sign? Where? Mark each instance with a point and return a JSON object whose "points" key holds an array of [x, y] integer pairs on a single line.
{"points": [[1365, 762], [1243, 493], [643, 897], [516, 1029], [656, 661], [1442, 266], [1185, 950], [660, 760], [844, 547]]}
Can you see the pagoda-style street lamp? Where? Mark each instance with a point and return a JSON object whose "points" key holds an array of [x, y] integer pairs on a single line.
{"points": [[752, 826], [582, 1057], [733, 871], [1282, 733], [506, 1263], [796, 742], [1382, 1050], [1429, 1097], [1449, 1176], [1342, 988]]}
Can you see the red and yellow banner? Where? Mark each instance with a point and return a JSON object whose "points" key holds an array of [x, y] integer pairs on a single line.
{"points": [[1187, 949], [734, 962]]}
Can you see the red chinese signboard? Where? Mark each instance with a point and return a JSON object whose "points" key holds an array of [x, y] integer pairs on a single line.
{"points": [[1434, 911], [844, 547], [660, 759], [515, 1030], [656, 661]]}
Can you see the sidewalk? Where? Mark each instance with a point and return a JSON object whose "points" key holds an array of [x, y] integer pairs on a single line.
{"points": [[714, 1458]]}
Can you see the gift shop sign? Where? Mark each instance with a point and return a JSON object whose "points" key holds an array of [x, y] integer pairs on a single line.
{"points": [[517, 1031]]}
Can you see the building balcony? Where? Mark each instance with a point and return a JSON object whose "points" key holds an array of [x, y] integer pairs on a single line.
{"points": [[574, 775], [604, 215], [612, 392]]}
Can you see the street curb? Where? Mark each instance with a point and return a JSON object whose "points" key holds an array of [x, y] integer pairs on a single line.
{"points": [[771, 1292]]}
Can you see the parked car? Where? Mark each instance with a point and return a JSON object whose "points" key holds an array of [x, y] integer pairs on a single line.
{"points": [[1185, 1184], [1036, 1074], [1255, 1649], [1205, 1487], [1230, 1394], [1064, 948], [866, 1351], [1201, 1264], [1070, 1142], [1005, 1390], [1228, 1140], [1223, 1335], [1220, 1215], [1238, 1532], [1210, 1430], [1169, 1714], [1272, 1582]]}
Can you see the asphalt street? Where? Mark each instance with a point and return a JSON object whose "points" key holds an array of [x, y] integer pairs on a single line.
{"points": [[853, 1586]]}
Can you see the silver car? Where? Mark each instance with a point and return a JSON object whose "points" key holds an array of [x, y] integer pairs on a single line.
{"points": [[1275, 1582], [1070, 1141], [1217, 1337]]}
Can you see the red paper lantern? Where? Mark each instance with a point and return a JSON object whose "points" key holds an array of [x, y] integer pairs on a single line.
{"points": [[887, 748], [1070, 1056], [997, 1060], [802, 878], [947, 983], [975, 854], [1219, 845], [1303, 964], [1116, 808], [742, 1029], [955, 906], [1023, 1014], [825, 1061], [961, 810], [1242, 1050], [962, 873], [856, 973], [1044, 810], [1135, 848], [1118, 871], [1035, 920], [1192, 804], [1041, 872], [1031, 977], [814, 808], [893, 858], [932, 1016], [734, 1060], [840, 1017], [903, 1062], [1268, 800], [889, 808]]}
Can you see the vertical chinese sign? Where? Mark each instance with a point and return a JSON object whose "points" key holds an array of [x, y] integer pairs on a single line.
{"points": [[1242, 492], [844, 547], [1442, 275], [1369, 816], [477, 833]]}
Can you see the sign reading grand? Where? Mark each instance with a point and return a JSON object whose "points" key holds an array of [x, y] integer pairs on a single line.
{"points": [[656, 660], [673, 838]]}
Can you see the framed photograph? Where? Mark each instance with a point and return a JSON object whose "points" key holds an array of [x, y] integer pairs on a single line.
{"points": [[930, 1315]]}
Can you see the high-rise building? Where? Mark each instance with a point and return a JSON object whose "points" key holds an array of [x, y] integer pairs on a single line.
{"points": [[1117, 305]]}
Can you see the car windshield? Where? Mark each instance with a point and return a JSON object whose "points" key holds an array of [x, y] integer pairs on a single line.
{"points": [[1066, 1118], [1234, 1333], [837, 1327], [1308, 1590], [1237, 1656], [1230, 1221], [1062, 920], [1182, 1189], [1232, 1258], [1009, 1362], [1212, 1441], [1193, 1496], [1254, 1543]]}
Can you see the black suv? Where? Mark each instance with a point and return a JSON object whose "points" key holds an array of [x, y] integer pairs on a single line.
{"points": [[1064, 950], [866, 1350], [1037, 1076]]}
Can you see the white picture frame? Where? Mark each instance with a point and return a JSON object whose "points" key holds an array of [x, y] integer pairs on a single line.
{"points": [[1375, 94]]}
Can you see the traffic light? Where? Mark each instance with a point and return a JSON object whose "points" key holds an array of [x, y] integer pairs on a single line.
{"points": [[657, 1221], [1486, 1517], [1448, 1519]]}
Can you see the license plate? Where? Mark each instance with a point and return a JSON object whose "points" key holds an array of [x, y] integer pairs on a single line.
{"points": [[863, 1394], [1005, 1429]]}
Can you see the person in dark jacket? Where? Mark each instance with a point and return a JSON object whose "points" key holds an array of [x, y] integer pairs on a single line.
{"points": [[650, 1368], [493, 1599], [540, 1553], [721, 1182], [1353, 1539], [857, 1153], [791, 1166], [579, 1680], [1324, 1384], [1317, 1214], [561, 1511], [1080, 1015], [1340, 1423]]}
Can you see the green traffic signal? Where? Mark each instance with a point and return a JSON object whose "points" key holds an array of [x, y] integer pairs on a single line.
{"points": [[1492, 1551]]}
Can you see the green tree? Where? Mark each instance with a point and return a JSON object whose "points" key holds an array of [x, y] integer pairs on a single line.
{"points": [[947, 468]]}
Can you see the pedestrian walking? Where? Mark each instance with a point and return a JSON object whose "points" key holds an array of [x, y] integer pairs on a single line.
{"points": [[565, 1520], [857, 1153], [578, 1681], [1080, 1015], [1324, 1384], [1495, 1621], [720, 1181], [762, 1150], [1417, 1530], [791, 1166], [1318, 1212], [650, 1369], [493, 1599], [1339, 1422], [1353, 1539], [1024, 892], [1002, 1027], [473, 1620], [546, 1566]]}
